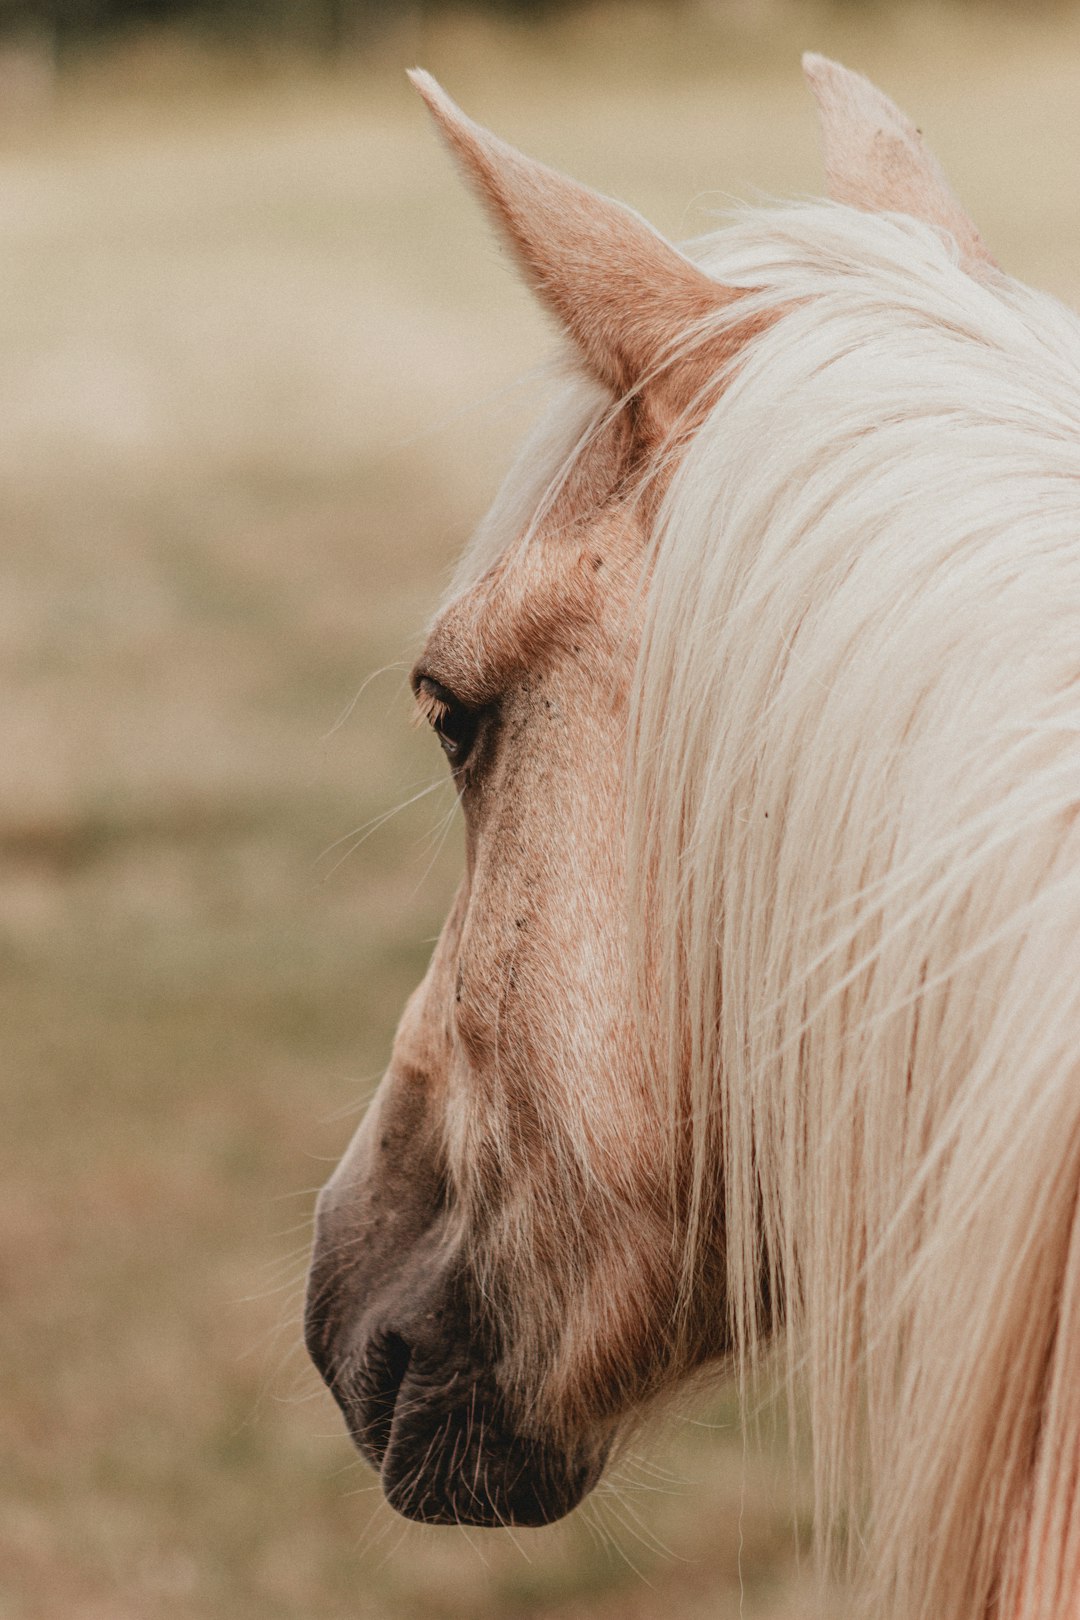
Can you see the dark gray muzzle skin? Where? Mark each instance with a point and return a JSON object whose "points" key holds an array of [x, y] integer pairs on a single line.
{"points": [[392, 1322]]}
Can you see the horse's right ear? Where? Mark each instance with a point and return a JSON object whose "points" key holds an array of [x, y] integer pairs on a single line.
{"points": [[624, 294], [876, 159]]}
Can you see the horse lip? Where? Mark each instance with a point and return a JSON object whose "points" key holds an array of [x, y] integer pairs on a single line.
{"points": [[483, 1471], [519, 1483]]}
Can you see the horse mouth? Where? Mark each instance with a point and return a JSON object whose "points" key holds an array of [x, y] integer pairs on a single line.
{"points": [[445, 1448]]}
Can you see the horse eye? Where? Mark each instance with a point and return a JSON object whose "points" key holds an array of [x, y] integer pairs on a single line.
{"points": [[452, 721]]}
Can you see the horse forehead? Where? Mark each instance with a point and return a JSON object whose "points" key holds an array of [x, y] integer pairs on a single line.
{"points": [[540, 597]]}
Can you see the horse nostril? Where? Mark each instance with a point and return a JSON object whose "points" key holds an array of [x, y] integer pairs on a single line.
{"points": [[386, 1362]]}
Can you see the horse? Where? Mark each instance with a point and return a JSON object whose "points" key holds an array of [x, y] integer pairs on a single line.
{"points": [[753, 1027]]}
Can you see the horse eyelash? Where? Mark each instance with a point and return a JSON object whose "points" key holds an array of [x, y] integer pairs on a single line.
{"points": [[430, 708]]}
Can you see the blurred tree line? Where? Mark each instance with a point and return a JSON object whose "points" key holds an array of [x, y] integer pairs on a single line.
{"points": [[330, 23], [64, 25]]}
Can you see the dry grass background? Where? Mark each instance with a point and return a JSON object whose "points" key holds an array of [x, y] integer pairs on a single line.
{"points": [[259, 370]]}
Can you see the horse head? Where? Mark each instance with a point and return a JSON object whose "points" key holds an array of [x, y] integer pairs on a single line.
{"points": [[499, 1278]]}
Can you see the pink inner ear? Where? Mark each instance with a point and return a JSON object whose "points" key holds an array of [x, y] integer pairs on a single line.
{"points": [[622, 292], [876, 159]]}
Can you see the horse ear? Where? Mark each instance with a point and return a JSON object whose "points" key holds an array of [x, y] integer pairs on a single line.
{"points": [[876, 159], [624, 294]]}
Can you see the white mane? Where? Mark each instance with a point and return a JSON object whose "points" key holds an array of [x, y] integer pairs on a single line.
{"points": [[855, 776]]}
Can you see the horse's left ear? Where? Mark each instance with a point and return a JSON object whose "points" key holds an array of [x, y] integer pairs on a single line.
{"points": [[876, 159], [624, 294]]}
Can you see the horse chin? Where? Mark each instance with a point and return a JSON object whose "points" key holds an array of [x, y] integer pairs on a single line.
{"points": [[447, 1449], [472, 1469]]}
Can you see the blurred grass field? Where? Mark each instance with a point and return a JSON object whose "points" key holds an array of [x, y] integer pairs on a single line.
{"points": [[260, 367]]}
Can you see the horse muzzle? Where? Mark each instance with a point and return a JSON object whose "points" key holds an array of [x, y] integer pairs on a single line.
{"points": [[438, 1433], [392, 1322]]}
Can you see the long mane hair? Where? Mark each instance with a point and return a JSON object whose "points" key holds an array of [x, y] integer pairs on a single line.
{"points": [[854, 777], [855, 773]]}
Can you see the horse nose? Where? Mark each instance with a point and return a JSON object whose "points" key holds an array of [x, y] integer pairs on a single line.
{"points": [[339, 1285], [318, 1327], [380, 1284]]}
